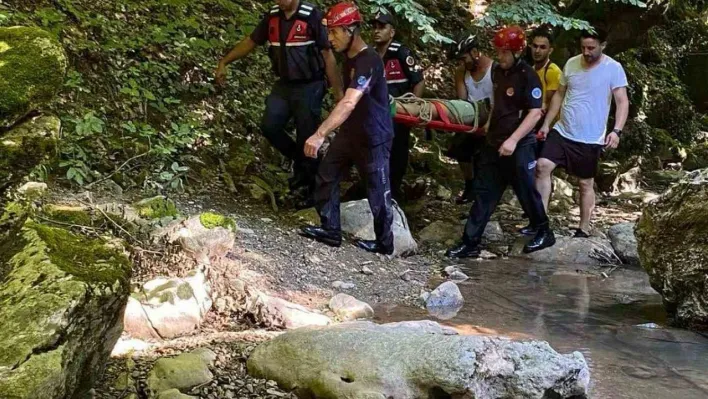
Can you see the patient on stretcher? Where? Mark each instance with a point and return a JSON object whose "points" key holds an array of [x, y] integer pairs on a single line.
{"points": [[459, 112]]}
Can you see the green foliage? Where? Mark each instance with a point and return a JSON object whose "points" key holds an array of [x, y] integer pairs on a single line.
{"points": [[415, 14], [540, 12], [141, 82]]}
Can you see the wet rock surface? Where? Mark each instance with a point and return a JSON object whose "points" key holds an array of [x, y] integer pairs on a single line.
{"points": [[366, 360]]}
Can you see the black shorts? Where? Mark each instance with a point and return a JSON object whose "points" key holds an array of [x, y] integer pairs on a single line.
{"points": [[578, 159], [465, 146]]}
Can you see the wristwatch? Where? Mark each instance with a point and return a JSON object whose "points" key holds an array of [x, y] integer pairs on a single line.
{"points": [[618, 132]]}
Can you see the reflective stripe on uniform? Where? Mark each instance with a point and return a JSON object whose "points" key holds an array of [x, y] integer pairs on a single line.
{"points": [[397, 81], [307, 43]]}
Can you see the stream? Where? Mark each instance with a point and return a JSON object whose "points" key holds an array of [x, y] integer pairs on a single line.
{"points": [[617, 323]]}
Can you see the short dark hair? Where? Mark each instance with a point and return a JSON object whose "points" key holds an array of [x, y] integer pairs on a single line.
{"points": [[599, 35], [543, 32]]}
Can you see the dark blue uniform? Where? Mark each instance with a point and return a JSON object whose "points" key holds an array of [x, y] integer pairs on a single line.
{"points": [[364, 140], [516, 91], [403, 72], [294, 46]]}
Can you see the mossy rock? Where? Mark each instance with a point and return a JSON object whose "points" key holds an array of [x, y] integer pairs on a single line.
{"points": [[25, 146], [32, 69], [672, 237], [156, 208], [697, 157], [212, 220], [61, 303]]}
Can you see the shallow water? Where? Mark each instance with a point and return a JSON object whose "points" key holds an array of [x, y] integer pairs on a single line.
{"points": [[575, 310]]}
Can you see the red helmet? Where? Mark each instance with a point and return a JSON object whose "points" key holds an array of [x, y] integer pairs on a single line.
{"points": [[342, 14], [512, 38]]}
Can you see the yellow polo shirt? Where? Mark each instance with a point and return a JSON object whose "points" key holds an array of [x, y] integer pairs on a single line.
{"points": [[550, 79]]}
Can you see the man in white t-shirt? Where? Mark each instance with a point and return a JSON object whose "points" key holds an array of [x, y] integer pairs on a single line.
{"points": [[587, 86]]}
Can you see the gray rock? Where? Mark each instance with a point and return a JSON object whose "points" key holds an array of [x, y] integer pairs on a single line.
{"points": [[279, 313], [358, 221], [458, 276], [579, 251], [447, 295], [365, 270], [624, 242], [493, 232], [450, 269], [364, 360], [341, 285], [346, 307], [672, 238], [173, 394], [62, 299], [182, 372]]}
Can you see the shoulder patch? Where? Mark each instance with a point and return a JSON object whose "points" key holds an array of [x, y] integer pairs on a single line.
{"points": [[537, 93], [410, 60], [361, 81]]}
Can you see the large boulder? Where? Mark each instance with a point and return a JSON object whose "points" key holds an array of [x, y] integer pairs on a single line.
{"points": [[168, 307], [358, 221], [32, 68], [61, 304], [624, 242], [365, 360], [672, 238], [25, 146], [697, 157]]}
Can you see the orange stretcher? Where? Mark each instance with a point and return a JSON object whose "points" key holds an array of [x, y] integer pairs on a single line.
{"points": [[443, 124]]}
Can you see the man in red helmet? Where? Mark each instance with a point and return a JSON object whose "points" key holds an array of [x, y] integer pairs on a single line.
{"points": [[364, 139], [509, 156]]}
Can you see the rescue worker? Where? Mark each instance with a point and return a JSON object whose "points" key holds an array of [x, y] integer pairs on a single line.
{"points": [[364, 139], [403, 75], [473, 83], [301, 57], [509, 154]]}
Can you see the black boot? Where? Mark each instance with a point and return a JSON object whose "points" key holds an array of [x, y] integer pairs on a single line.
{"points": [[374, 246], [463, 251], [331, 238], [466, 197], [544, 238]]}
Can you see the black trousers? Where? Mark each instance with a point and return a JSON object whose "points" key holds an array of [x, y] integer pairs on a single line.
{"points": [[373, 162], [495, 174], [303, 102], [399, 157]]}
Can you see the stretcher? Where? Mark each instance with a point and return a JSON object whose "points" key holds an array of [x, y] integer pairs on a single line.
{"points": [[444, 124]]}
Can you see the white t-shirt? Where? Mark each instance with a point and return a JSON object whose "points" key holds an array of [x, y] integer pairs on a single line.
{"points": [[586, 107], [478, 91]]}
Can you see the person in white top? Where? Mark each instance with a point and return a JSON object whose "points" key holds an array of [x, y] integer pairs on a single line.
{"points": [[473, 82], [587, 86]]}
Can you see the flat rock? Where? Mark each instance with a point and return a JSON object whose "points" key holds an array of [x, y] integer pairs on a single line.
{"points": [[182, 372], [570, 250], [365, 360]]}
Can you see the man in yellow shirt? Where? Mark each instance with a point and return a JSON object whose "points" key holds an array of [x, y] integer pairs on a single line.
{"points": [[549, 74]]}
